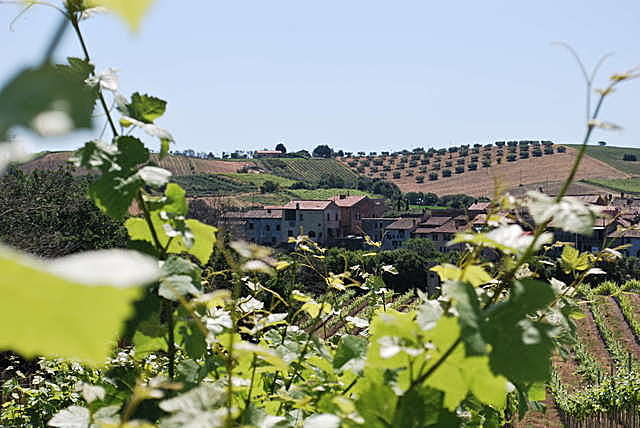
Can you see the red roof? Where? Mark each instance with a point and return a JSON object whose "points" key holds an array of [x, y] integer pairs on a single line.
{"points": [[403, 223], [435, 221], [307, 205], [480, 206], [347, 201], [265, 213]]}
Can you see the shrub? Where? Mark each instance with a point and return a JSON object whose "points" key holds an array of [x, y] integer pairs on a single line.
{"points": [[474, 158], [537, 153], [433, 176], [453, 149], [499, 143], [511, 157], [422, 169], [446, 173], [360, 169], [424, 162], [386, 168], [524, 155], [548, 150], [436, 166], [352, 164], [629, 157], [365, 163], [410, 173], [561, 149], [473, 166], [396, 174], [448, 163], [374, 169], [475, 150], [413, 164], [512, 143], [498, 161], [460, 161], [487, 163], [377, 162]]}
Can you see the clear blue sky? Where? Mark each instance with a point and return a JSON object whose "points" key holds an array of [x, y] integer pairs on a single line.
{"points": [[357, 75]]}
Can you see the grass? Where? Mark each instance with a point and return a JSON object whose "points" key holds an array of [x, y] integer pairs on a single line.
{"points": [[613, 156], [258, 180], [308, 170], [630, 185], [258, 199]]}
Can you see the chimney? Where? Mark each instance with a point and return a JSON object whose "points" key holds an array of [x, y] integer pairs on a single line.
{"points": [[297, 205], [343, 196], [269, 211]]}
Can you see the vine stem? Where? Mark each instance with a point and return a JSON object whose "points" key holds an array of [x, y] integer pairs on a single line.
{"points": [[76, 26]]}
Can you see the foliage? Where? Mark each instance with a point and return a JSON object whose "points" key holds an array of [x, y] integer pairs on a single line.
{"points": [[48, 214], [322, 151]]}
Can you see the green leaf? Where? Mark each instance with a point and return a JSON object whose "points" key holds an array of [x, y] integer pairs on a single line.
{"points": [[376, 404], [350, 347], [460, 374], [571, 259], [131, 12], [120, 182], [418, 408], [521, 348], [76, 305], [470, 318], [146, 108], [51, 100], [204, 237]]}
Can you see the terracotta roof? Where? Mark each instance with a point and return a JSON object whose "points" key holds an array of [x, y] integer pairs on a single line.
{"points": [[307, 205], [402, 224], [268, 152], [589, 199], [435, 221], [631, 233], [265, 213], [424, 230], [347, 201], [479, 206], [449, 227]]}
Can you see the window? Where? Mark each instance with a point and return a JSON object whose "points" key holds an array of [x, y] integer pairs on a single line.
{"points": [[312, 234], [336, 216], [278, 227], [401, 234], [273, 239], [328, 217], [251, 226], [268, 228], [290, 215], [301, 217], [289, 233]]}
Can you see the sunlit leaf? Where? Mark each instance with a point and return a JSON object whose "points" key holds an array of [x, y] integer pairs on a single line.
{"points": [[77, 305]]}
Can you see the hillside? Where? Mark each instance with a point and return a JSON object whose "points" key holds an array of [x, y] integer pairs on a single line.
{"points": [[613, 156], [478, 173], [178, 165]]}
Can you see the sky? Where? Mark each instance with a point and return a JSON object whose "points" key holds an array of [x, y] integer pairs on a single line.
{"points": [[356, 75]]}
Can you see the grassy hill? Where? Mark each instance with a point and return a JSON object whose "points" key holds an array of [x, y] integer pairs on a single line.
{"points": [[613, 156], [626, 185]]}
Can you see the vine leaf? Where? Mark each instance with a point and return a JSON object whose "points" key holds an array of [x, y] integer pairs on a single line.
{"points": [[77, 304], [51, 100], [521, 347]]}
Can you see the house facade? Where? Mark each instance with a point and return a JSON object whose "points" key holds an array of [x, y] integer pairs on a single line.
{"points": [[264, 227], [355, 208], [319, 220]]}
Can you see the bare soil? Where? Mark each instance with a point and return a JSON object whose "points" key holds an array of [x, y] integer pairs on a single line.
{"points": [[508, 175], [178, 165]]}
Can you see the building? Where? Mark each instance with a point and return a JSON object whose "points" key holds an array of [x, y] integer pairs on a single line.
{"points": [[374, 227], [267, 154], [319, 220], [629, 237], [353, 209], [398, 232], [264, 226]]}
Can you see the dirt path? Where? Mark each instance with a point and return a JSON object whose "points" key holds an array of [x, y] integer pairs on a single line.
{"points": [[588, 333], [617, 323]]}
